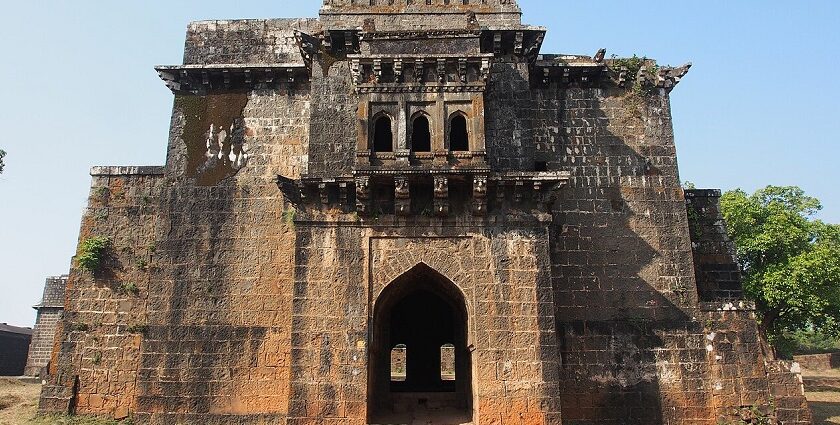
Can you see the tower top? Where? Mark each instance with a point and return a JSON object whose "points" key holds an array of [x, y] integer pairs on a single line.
{"points": [[420, 14]]}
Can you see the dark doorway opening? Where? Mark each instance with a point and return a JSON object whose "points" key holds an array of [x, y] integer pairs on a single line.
{"points": [[383, 137], [421, 137], [419, 363], [459, 139]]}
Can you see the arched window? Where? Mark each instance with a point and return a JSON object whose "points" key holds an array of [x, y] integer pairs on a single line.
{"points": [[421, 137], [383, 137], [458, 136], [398, 372], [447, 362]]}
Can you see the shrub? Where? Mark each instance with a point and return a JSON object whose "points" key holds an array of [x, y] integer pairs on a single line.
{"points": [[789, 344], [91, 253], [128, 288]]}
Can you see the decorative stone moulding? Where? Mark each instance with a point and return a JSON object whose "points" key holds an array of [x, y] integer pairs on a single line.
{"points": [[203, 79], [585, 71], [341, 41], [452, 74], [320, 193], [525, 41]]}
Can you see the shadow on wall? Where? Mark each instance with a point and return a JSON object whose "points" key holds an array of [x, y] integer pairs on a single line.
{"points": [[191, 344], [618, 249]]}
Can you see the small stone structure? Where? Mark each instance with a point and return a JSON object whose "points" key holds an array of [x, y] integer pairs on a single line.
{"points": [[14, 344], [50, 311], [819, 362], [412, 174]]}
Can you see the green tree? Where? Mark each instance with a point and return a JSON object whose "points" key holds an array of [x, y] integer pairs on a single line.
{"points": [[2, 155], [791, 261]]}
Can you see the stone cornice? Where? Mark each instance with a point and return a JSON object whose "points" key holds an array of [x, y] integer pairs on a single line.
{"points": [[572, 70], [201, 79], [106, 171]]}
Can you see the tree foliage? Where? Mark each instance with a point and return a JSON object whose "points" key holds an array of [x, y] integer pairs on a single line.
{"points": [[2, 155], [791, 261]]}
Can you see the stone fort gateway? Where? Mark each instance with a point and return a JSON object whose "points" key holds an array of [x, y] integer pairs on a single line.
{"points": [[404, 212]]}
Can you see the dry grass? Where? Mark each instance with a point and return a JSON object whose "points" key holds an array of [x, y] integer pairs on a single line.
{"points": [[19, 406], [834, 373], [18, 401]]}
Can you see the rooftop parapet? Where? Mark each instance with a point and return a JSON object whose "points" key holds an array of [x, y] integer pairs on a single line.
{"points": [[420, 14]]}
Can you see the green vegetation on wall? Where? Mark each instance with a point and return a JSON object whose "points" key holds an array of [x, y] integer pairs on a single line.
{"points": [[91, 252]]}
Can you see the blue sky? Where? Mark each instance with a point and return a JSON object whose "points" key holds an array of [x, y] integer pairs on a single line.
{"points": [[761, 105]]}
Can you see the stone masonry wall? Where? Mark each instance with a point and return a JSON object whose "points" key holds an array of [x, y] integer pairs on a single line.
{"points": [[40, 350], [50, 313], [254, 41], [217, 302], [342, 270], [206, 334], [333, 123], [94, 369], [746, 382], [717, 270], [218, 345], [623, 272]]}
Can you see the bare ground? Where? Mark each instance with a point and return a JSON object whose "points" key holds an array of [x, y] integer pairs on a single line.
{"points": [[826, 408], [19, 405], [18, 401]]}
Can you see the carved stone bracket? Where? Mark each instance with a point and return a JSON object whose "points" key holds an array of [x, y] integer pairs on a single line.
{"points": [[539, 197], [324, 191], [402, 196], [441, 70], [419, 68], [398, 70], [531, 191], [356, 71], [479, 206], [518, 191], [363, 194], [518, 43], [343, 198], [377, 71], [441, 196], [386, 73], [485, 70]]}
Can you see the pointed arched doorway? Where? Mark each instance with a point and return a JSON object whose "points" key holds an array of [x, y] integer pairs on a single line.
{"points": [[420, 365]]}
